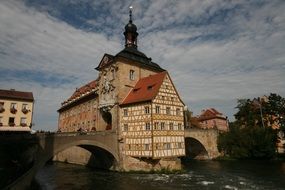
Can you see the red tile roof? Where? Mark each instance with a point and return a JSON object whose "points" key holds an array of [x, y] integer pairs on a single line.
{"points": [[17, 95], [82, 90], [145, 89], [210, 113]]}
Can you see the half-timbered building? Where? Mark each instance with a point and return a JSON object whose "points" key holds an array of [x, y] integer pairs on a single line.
{"points": [[152, 119]]}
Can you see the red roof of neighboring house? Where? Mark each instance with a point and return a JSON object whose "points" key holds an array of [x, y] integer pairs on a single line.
{"points": [[210, 113], [17, 95], [145, 89]]}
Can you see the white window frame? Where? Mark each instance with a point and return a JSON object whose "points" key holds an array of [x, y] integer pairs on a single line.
{"points": [[162, 125], [132, 75], [178, 111], [157, 109], [179, 126], [125, 112], [147, 126], [146, 147], [23, 119], [171, 126], [146, 109], [156, 125], [168, 110], [13, 105], [125, 127]]}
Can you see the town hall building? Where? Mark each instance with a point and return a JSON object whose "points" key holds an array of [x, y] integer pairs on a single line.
{"points": [[136, 98]]}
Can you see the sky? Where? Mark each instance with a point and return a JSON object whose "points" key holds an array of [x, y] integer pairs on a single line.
{"points": [[216, 51]]}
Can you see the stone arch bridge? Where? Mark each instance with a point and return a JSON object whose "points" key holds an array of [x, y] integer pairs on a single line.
{"points": [[201, 143], [48, 145]]}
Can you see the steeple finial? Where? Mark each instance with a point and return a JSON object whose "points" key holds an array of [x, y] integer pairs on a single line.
{"points": [[131, 8], [131, 32]]}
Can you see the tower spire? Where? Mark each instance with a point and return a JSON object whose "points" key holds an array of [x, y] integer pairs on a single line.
{"points": [[130, 14], [131, 32]]}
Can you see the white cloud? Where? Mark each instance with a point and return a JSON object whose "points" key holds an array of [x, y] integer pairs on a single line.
{"points": [[215, 51], [35, 42]]}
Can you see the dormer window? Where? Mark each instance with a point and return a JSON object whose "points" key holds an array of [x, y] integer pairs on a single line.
{"points": [[132, 75], [135, 89]]}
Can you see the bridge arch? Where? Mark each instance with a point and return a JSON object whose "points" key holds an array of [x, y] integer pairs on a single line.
{"points": [[85, 144], [195, 149], [99, 156], [203, 143], [51, 144]]}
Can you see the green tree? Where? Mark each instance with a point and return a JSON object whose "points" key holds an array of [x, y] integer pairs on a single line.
{"points": [[251, 134], [275, 110]]}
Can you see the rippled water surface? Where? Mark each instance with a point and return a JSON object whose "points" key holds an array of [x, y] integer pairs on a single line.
{"points": [[197, 175]]}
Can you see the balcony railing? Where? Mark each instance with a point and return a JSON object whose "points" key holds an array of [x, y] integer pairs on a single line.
{"points": [[13, 110], [25, 110], [23, 124], [11, 124]]}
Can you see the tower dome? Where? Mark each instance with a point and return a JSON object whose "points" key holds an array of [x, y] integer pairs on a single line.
{"points": [[131, 33]]}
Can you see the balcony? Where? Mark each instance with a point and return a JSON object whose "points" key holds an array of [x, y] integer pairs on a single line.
{"points": [[12, 124], [25, 110], [23, 125], [13, 110]]}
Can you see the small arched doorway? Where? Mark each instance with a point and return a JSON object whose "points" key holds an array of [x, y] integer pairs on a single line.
{"points": [[195, 149]]}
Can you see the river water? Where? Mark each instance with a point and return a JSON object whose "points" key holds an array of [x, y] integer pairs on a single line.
{"points": [[197, 175]]}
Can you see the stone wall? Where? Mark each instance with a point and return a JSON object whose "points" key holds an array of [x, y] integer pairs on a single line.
{"points": [[74, 155], [140, 164]]}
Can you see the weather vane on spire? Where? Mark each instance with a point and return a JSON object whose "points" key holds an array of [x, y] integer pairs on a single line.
{"points": [[131, 8]]}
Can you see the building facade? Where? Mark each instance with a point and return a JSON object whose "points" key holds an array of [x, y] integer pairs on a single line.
{"points": [[79, 112], [16, 110], [213, 119], [152, 119], [135, 97]]}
